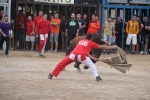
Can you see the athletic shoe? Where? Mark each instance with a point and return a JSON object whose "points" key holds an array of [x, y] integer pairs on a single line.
{"points": [[145, 53], [6, 55], [50, 50], [98, 78], [85, 67], [31, 49], [55, 51], [141, 52], [50, 76], [42, 56], [133, 53]]}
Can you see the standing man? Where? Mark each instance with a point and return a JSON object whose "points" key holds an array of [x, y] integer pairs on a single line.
{"points": [[143, 35], [132, 29], [55, 22], [42, 29], [21, 29], [109, 31], [86, 23], [81, 54], [36, 20], [147, 36], [139, 33], [81, 25], [119, 30], [4, 34], [64, 39], [72, 28], [30, 36], [93, 25]]}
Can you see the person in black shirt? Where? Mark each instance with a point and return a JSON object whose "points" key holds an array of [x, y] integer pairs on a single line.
{"points": [[81, 25], [139, 34], [118, 29], [147, 36], [86, 23], [62, 30], [72, 28]]}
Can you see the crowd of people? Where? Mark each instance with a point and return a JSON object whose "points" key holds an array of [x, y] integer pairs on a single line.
{"points": [[36, 30]]}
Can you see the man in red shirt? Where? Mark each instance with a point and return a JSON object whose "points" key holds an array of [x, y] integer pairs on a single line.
{"points": [[36, 20], [30, 36], [81, 54], [42, 28]]}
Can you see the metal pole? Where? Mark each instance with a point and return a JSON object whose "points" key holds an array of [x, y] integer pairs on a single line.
{"points": [[123, 18], [9, 10]]}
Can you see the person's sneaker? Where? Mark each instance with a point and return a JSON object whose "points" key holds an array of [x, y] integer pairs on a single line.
{"points": [[31, 49], [141, 52], [42, 55], [50, 50], [85, 67], [98, 78], [145, 53], [108, 53], [133, 53], [55, 51], [50, 76], [6, 55]]}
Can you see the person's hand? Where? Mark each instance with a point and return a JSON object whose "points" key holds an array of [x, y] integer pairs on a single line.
{"points": [[115, 47], [77, 34], [66, 34], [114, 36], [96, 59], [52, 35], [37, 36], [11, 36], [4, 35]]}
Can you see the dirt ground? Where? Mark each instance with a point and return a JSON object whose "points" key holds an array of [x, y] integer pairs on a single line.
{"points": [[23, 76]]}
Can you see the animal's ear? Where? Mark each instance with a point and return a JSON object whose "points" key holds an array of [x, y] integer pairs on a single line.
{"points": [[103, 42]]}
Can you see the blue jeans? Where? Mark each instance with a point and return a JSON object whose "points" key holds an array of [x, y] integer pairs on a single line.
{"points": [[54, 38], [21, 36]]}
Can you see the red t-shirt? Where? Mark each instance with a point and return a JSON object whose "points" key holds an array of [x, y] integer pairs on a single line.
{"points": [[84, 47], [43, 27], [29, 27], [36, 20]]}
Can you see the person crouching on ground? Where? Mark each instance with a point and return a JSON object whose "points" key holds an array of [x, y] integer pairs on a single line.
{"points": [[81, 54], [43, 27], [4, 34]]}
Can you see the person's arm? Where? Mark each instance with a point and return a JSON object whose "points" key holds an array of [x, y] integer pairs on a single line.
{"points": [[67, 25], [107, 47], [113, 31], [147, 28], [2, 32], [97, 26], [55, 24], [77, 26], [84, 24], [50, 29], [11, 33], [37, 29], [127, 28], [91, 57], [137, 28], [142, 26]]}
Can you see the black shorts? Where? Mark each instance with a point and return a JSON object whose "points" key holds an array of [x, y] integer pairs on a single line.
{"points": [[71, 36], [138, 38], [37, 40]]}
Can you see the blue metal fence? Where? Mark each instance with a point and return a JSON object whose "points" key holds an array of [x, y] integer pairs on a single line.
{"points": [[131, 8]]}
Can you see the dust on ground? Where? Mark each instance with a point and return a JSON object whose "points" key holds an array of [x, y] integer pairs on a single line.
{"points": [[23, 76]]}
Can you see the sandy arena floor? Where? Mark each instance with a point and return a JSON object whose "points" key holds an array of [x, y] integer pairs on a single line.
{"points": [[23, 76]]}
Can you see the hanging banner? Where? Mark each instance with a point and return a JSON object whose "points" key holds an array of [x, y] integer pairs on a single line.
{"points": [[57, 1], [140, 1], [117, 1]]}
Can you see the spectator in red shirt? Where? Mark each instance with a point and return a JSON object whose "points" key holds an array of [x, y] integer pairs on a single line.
{"points": [[81, 54], [30, 36], [36, 20], [42, 29]]}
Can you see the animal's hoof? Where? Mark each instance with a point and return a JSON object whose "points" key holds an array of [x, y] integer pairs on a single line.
{"points": [[85, 67]]}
